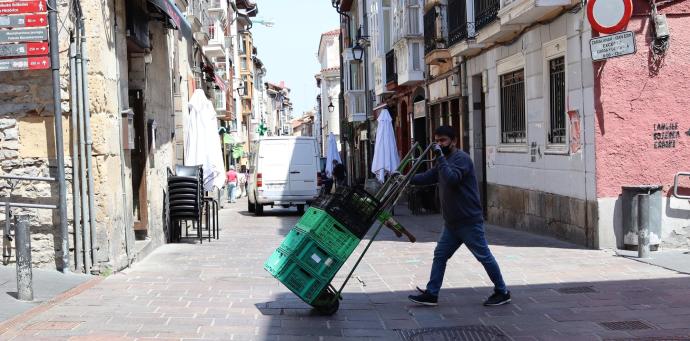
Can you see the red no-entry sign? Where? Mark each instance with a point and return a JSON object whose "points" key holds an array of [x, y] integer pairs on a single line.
{"points": [[609, 16], [22, 6]]}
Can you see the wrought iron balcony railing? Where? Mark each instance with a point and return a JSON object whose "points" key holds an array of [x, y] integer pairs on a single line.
{"points": [[485, 12], [430, 34], [457, 21]]}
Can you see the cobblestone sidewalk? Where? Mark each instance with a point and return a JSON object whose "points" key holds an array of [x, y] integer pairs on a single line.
{"points": [[219, 291]]}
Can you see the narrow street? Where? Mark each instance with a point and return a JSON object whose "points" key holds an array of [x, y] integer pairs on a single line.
{"points": [[219, 291]]}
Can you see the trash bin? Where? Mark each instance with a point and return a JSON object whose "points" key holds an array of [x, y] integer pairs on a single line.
{"points": [[631, 215]]}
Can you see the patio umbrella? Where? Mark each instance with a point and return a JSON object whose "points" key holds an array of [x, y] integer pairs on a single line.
{"points": [[331, 154], [386, 159], [201, 144]]}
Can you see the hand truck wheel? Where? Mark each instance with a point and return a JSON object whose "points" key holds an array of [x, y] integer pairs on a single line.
{"points": [[327, 303]]}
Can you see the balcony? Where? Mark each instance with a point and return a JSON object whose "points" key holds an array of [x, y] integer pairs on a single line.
{"points": [[215, 6], [435, 49], [488, 29], [525, 12], [356, 106], [380, 76], [214, 47], [485, 12], [409, 59]]}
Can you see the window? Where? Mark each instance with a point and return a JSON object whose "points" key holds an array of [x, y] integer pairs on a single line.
{"points": [[416, 59], [557, 130], [513, 108]]}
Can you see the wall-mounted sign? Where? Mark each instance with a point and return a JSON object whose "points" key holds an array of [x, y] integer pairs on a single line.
{"points": [[419, 109], [23, 6], [33, 63], [29, 49], [24, 35], [614, 45], [28, 20], [609, 16], [665, 135]]}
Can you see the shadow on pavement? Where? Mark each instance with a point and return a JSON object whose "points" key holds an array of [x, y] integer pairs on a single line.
{"points": [[655, 309]]}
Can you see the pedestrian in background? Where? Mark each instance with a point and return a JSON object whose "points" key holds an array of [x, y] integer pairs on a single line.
{"points": [[231, 183], [463, 216], [242, 183], [338, 173]]}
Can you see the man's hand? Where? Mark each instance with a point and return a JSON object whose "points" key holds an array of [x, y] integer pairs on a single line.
{"points": [[437, 150]]}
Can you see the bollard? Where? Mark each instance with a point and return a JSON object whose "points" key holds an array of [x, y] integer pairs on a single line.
{"points": [[22, 238], [643, 226]]}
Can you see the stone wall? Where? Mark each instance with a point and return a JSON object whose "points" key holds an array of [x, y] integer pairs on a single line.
{"points": [[558, 216]]}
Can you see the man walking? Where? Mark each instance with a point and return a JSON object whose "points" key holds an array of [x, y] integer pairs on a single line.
{"points": [[463, 217], [338, 173], [231, 183]]}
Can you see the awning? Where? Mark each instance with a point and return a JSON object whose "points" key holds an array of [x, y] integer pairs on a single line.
{"points": [[176, 17], [219, 82]]}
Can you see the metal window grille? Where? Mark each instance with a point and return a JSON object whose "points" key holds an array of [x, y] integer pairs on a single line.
{"points": [[485, 12], [513, 108], [557, 100], [457, 21]]}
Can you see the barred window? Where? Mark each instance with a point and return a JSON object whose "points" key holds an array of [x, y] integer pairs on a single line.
{"points": [[513, 108], [557, 101]]}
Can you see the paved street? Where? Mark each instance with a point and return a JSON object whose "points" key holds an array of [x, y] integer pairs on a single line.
{"points": [[219, 291]]}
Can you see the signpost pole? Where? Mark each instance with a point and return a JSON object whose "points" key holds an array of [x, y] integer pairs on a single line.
{"points": [[59, 144]]}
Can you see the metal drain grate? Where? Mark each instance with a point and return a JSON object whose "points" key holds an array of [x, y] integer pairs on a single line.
{"points": [[576, 290], [459, 333], [626, 325]]}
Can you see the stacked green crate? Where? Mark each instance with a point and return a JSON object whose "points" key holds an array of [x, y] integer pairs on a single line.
{"points": [[311, 254]]}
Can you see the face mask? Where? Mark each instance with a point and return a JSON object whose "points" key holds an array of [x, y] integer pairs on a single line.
{"points": [[446, 149]]}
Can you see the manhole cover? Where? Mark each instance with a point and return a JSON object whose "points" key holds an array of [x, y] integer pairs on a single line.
{"points": [[576, 290], [459, 333], [626, 325]]}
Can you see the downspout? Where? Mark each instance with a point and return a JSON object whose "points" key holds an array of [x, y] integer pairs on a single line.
{"points": [[59, 144], [86, 236], [76, 212], [365, 60], [341, 96], [89, 143], [123, 177]]}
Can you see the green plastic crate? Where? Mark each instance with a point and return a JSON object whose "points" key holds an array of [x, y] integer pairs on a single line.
{"points": [[312, 218], [304, 284], [335, 238], [318, 261], [277, 261], [294, 240]]}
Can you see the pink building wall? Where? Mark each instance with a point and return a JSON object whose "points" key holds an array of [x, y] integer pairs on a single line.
{"points": [[632, 96]]}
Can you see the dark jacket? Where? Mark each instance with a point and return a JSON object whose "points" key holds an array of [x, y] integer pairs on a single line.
{"points": [[457, 183]]}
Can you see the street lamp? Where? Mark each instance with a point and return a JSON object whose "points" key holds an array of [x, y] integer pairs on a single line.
{"points": [[358, 52], [331, 107], [240, 91]]}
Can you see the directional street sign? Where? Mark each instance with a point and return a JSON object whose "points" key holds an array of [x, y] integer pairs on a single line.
{"points": [[24, 35], [26, 20], [19, 50], [22, 6], [33, 63]]}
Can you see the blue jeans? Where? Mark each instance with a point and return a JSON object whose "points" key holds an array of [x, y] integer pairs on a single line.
{"points": [[451, 239], [231, 192]]}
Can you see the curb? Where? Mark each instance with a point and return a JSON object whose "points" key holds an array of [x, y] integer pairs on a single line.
{"points": [[37, 310]]}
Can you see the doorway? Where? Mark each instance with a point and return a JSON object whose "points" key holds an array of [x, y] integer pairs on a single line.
{"points": [[139, 156], [479, 132]]}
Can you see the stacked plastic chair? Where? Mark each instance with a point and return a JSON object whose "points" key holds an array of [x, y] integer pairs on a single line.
{"points": [[185, 195]]}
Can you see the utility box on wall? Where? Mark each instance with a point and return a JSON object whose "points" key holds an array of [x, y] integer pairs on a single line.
{"points": [[128, 129]]}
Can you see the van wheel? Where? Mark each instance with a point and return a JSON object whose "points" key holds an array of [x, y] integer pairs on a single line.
{"points": [[300, 209], [258, 209], [250, 206]]}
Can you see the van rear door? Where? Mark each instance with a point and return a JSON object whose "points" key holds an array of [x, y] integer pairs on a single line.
{"points": [[274, 165], [303, 168]]}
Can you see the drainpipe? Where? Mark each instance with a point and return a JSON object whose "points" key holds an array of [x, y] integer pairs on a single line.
{"points": [[89, 142], [86, 237], [59, 144], [76, 212]]}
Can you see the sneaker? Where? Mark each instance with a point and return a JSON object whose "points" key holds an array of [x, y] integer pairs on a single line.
{"points": [[498, 298], [425, 298]]}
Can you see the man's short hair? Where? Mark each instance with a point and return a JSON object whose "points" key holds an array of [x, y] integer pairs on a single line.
{"points": [[445, 131]]}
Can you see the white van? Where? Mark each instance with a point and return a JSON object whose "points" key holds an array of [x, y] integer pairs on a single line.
{"points": [[283, 171]]}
